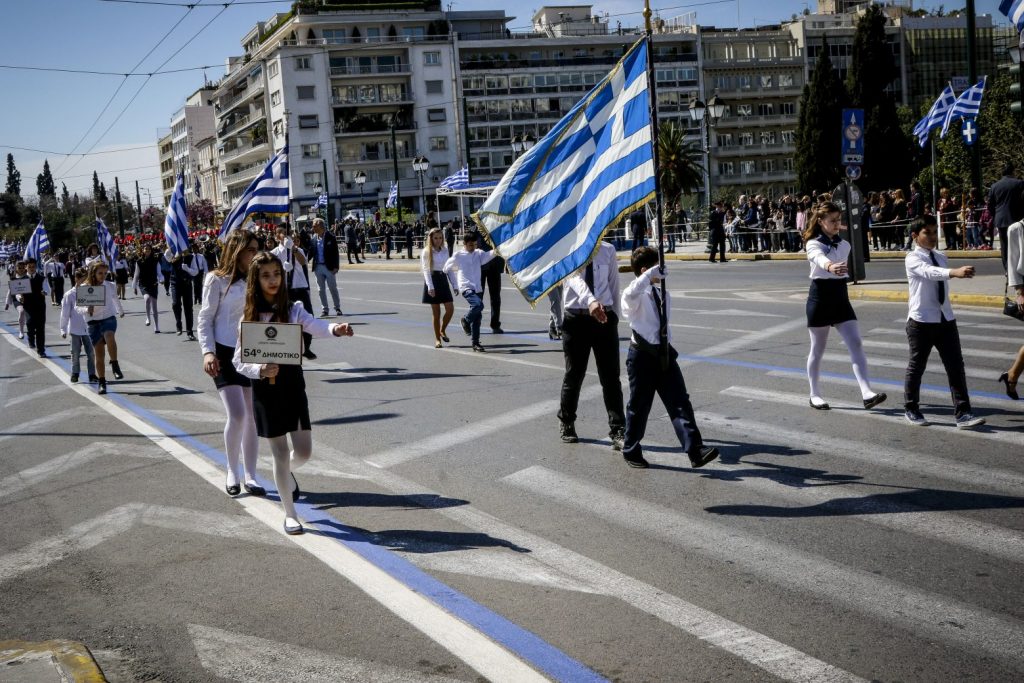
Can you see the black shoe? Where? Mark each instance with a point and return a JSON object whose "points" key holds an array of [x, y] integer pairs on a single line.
{"points": [[618, 439], [478, 348], [818, 406], [1011, 387], [102, 389], [636, 461], [233, 490], [254, 489], [116, 369], [497, 330], [444, 338], [191, 337], [337, 311], [93, 379], [74, 378], [42, 354], [465, 326], [567, 432], [296, 492], [179, 333], [874, 400], [309, 354], [702, 456]]}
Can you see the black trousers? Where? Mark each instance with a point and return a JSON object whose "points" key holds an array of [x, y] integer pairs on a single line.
{"points": [[491, 277], [35, 325], [56, 289], [1002, 244], [181, 299], [307, 303], [717, 243], [581, 334], [351, 249], [945, 337], [197, 287], [646, 378]]}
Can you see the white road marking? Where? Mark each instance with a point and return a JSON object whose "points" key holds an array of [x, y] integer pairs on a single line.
{"points": [[207, 416], [932, 369], [55, 466], [796, 570], [733, 345], [755, 394], [978, 353], [735, 312], [237, 657], [316, 469], [239, 527], [504, 565], [24, 398], [23, 429], [968, 337], [500, 357]]}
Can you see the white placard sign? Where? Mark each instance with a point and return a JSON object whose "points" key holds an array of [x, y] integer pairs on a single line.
{"points": [[21, 286], [279, 343], [91, 295]]}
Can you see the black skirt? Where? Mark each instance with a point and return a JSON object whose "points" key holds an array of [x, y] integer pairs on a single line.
{"points": [[828, 303], [121, 276], [281, 407], [228, 376], [150, 290], [442, 290]]}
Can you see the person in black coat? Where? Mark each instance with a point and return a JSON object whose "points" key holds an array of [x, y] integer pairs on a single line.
{"points": [[638, 226], [1006, 204], [352, 241], [323, 254]]}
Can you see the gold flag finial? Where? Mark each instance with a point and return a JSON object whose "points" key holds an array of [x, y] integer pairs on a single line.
{"points": [[647, 15]]}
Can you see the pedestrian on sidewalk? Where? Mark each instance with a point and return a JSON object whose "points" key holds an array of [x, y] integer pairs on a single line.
{"points": [[280, 406], [326, 262], [102, 323], [828, 303], [930, 323], [716, 226], [642, 307], [1015, 279], [1006, 204], [463, 269], [436, 289], [72, 322], [223, 305]]}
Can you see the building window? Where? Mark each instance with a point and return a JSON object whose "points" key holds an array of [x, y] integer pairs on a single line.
{"points": [[303, 63], [744, 82], [746, 138], [765, 81], [724, 139], [767, 137], [746, 167], [334, 36], [434, 87], [726, 168], [744, 110], [431, 59], [272, 69], [788, 137], [436, 115], [413, 32], [275, 98], [438, 143], [769, 165], [766, 109], [785, 80], [312, 179], [373, 35], [789, 108], [306, 92], [787, 164], [309, 121], [311, 151]]}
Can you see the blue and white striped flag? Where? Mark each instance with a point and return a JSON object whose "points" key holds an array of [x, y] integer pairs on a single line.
{"points": [[457, 181], [548, 213], [321, 200], [936, 115], [1014, 9], [108, 247], [176, 222], [966, 106], [392, 201], [37, 243], [267, 193], [198, 189]]}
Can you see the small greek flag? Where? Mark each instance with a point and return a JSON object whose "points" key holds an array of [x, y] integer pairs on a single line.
{"points": [[936, 116], [548, 213], [392, 201], [967, 105], [457, 181], [267, 193], [176, 222], [198, 189], [106, 241], [321, 200], [1014, 9], [37, 243]]}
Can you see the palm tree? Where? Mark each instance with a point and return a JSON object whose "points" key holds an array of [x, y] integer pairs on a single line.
{"points": [[681, 167]]}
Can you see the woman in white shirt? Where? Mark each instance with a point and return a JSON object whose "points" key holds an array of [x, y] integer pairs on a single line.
{"points": [[436, 290], [121, 276], [1015, 280], [223, 304], [828, 302], [102, 323]]}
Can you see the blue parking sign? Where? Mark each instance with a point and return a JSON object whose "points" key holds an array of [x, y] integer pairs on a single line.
{"points": [[853, 136]]}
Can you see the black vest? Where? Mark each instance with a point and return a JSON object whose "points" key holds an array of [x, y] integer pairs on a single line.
{"points": [[147, 271], [35, 299]]}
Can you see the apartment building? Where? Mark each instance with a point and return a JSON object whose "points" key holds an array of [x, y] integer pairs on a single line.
{"points": [[207, 169], [193, 122], [165, 152]]}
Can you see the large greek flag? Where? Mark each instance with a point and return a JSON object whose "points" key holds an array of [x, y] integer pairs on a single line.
{"points": [[392, 201], [548, 213], [37, 243], [268, 193], [936, 115], [176, 222], [1014, 9], [108, 247], [456, 181], [966, 106]]}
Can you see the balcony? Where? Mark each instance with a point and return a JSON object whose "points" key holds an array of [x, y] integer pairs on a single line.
{"points": [[246, 174], [760, 93], [405, 97], [373, 125], [757, 178], [225, 105], [748, 62], [765, 120], [257, 146], [371, 69], [756, 149], [373, 157]]}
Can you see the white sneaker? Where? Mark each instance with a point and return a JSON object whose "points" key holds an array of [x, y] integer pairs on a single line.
{"points": [[967, 420]]}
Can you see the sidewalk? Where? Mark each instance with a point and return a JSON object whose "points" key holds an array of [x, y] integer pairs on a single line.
{"points": [[52, 661]]}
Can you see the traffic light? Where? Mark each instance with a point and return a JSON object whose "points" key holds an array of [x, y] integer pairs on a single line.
{"points": [[1016, 103]]}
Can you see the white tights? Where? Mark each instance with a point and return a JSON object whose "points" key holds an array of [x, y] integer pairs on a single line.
{"points": [[286, 460], [240, 433], [850, 333], [151, 312]]}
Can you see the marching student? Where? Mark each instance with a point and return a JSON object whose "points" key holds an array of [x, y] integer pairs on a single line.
{"points": [[149, 276], [121, 276], [72, 322], [202, 268], [828, 303], [54, 271], [463, 270], [641, 305], [436, 290], [930, 323], [293, 259], [223, 305], [280, 407], [92, 253], [34, 304], [556, 315], [102, 323], [18, 274], [182, 271]]}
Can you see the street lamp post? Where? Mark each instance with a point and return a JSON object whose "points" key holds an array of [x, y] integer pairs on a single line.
{"points": [[360, 179], [421, 165], [707, 115]]}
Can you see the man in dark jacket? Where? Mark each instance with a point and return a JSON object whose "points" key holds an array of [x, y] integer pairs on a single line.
{"points": [[323, 253], [716, 226], [1006, 204], [352, 241]]}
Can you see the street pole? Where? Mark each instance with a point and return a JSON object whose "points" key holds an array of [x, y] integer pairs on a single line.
{"points": [[469, 166], [120, 214], [972, 78], [394, 159], [138, 205], [329, 209]]}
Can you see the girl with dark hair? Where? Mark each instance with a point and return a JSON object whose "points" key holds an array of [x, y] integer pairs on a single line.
{"points": [[102, 323]]}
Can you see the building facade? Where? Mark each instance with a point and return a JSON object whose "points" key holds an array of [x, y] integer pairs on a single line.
{"points": [[207, 169], [165, 152], [191, 123]]}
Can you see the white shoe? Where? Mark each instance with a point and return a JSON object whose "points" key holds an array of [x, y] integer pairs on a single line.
{"points": [[292, 526], [21, 335]]}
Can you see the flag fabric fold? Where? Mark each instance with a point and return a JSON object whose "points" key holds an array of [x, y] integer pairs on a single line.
{"points": [[966, 106], [267, 193], [38, 242], [1014, 10], [549, 212], [936, 116], [456, 181], [321, 200], [176, 222], [197, 188], [108, 247], [392, 201]]}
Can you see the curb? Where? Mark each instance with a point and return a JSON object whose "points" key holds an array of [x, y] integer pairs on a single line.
{"points": [[800, 256], [51, 660], [985, 300]]}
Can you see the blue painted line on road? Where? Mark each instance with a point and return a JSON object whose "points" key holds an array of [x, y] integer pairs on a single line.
{"points": [[528, 646]]}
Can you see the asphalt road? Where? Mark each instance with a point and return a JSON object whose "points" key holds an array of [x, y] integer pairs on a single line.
{"points": [[454, 536]]}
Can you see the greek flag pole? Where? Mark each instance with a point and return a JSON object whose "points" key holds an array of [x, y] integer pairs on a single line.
{"points": [[658, 212], [935, 197]]}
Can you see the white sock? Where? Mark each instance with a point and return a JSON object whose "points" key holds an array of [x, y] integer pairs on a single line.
{"points": [[850, 333]]}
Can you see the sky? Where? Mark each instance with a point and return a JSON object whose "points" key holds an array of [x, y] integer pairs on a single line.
{"points": [[116, 121]]}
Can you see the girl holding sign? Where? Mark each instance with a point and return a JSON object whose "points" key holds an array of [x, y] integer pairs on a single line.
{"points": [[102, 323], [19, 274], [223, 303], [280, 405]]}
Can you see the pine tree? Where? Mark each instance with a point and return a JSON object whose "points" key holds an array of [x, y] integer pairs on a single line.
{"points": [[95, 187], [13, 177], [818, 131], [65, 197], [44, 184]]}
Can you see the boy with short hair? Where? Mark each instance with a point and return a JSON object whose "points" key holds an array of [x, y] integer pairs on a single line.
{"points": [[641, 306], [35, 307], [72, 322], [463, 270]]}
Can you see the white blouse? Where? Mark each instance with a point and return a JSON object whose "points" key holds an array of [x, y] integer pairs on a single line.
{"points": [[223, 306], [296, 314], [435, 262], [820, 256], [103, 312]]}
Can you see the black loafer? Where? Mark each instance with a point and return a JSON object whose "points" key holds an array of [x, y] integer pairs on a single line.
{"points": [[233, 490], [254, 489], [874, 400], [636, 461], [295, 492], [445, 338], [702, 456]]}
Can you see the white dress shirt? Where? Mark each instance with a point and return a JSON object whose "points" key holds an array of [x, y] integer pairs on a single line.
{"points": [[923, 277], [199, 260], [606, 283], [299, 280], [466, 266], [641, 310], [53, 268], [222, 308], [1015, 254], [296, 314], [71, 320], [430, 261], [820, 256], [112, 307]]}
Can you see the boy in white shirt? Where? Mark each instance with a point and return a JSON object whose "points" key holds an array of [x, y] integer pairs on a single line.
{"points": [[72, 322], [463, 270], [641, 306]]}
